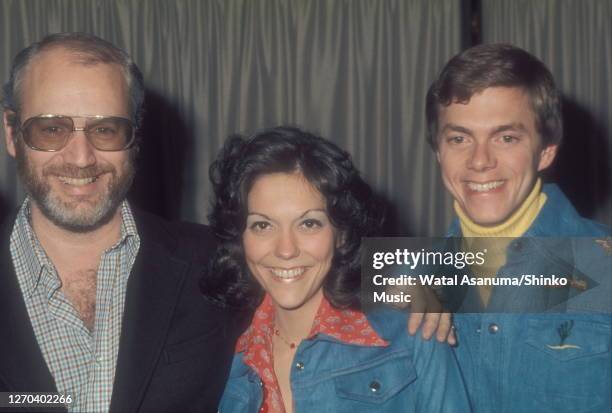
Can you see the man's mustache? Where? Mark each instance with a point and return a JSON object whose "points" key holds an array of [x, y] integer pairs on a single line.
{"points": [[73, 171]]}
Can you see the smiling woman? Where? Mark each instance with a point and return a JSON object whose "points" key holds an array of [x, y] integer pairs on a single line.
{"points": [[290, 211], [289, 240], [285, 157]]}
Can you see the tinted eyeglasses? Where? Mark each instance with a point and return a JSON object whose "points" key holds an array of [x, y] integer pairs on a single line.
{"points": [[51, 133]]}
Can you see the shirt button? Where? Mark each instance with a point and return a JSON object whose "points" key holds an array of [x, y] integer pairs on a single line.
{"points": [[299, 365], [478, 330], [374, 386], [493, 328]]}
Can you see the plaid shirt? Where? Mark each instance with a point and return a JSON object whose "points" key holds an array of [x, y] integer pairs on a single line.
{"points": [[81, 362]]}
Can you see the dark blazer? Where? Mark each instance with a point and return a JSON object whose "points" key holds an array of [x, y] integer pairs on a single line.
{"points": [[175, 349]]}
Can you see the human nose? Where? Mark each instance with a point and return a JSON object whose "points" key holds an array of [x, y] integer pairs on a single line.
{"points": [[286, 246], [481, 158], [79, 151]]}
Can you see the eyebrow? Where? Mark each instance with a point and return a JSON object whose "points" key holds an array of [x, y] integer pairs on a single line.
{"points": [[301, 216], [516, 126], [313, 210], [456, 128], [260, 214]]}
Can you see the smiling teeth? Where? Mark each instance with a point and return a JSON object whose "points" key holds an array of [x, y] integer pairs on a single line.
{"points": [[484, 187], [292, 273], [76, 181]]}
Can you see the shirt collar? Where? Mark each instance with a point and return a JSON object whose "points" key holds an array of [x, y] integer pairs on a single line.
{"points": [[32, 254], [129, 231], [514, 226], [557, 218], [346, 326], [37, 261]]}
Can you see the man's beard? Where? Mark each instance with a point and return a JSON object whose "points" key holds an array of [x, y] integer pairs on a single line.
{"points": [[65, 213]]}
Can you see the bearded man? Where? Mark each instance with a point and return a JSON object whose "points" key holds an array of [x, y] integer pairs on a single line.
{"points": [[98, 300]]}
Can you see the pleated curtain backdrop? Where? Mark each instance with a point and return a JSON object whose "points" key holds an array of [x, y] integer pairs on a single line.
{"points": [[354, 71]]}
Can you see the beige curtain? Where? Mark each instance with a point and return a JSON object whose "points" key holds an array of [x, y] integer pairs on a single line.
{"points": [[356, 71], [574, 38]]}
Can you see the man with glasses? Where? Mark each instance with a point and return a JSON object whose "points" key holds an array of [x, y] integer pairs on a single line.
{"points": [[98, 301]]}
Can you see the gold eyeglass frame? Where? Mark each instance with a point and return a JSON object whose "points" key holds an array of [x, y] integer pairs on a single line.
{"points": [[21, 127]]}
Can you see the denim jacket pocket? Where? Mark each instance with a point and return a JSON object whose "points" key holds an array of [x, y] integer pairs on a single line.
{"points": [[567, 365], [378, 381], [566, 340]]}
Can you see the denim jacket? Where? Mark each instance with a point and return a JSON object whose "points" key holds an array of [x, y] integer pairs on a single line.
{"points": [[409, 375], [515, 362]]}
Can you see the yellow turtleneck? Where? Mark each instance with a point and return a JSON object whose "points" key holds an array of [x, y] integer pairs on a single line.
{"points": [[515, 226]]}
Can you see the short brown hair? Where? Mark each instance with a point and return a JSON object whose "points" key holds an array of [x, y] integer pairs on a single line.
{"points": [[491, 65]]}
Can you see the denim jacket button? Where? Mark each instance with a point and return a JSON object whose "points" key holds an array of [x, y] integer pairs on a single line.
{"points": [[493, 328], [299, 365], [374, 386]]}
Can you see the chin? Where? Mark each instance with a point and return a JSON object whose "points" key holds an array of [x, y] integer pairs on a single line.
{"points": [[78, 218], [288, 304], [489, 221], [485, 218]]}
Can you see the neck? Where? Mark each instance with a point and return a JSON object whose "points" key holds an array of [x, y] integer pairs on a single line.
{"points": [[514, 226], [296, 324], [59, 241]]}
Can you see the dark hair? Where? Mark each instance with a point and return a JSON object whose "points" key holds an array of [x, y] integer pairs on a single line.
{"points": [[351, 207], [88, 50], [491, 65]]}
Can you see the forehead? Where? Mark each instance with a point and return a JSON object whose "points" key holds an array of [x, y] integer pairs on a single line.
{"points": [[55, 81], [281, 192], [491, 108]]}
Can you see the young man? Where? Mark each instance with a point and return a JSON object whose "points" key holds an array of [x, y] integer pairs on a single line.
{"points": [[98, 300], [494, 123]]}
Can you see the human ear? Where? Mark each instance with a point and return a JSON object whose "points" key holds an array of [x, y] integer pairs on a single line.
{"points": [[547, 156], [10, 132]]}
